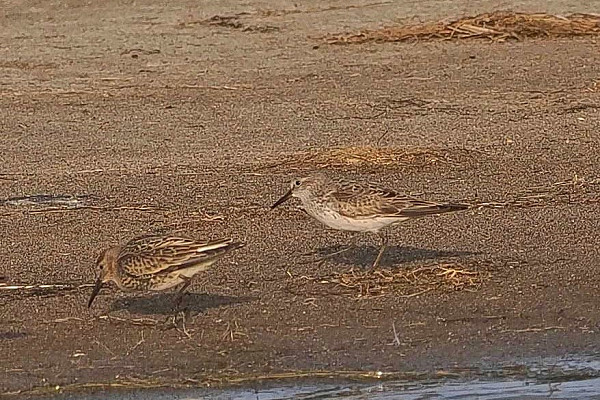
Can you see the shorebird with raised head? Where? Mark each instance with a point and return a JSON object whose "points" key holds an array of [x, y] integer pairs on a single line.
{"points": [[157, 263], [356, 206]]}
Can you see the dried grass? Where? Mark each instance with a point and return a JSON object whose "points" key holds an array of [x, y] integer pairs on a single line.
{"points": [[408, 282], [364, 158], [497, 26]]}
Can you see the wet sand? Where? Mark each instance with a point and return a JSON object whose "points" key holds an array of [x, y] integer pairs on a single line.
{"points": [[162, 118]]}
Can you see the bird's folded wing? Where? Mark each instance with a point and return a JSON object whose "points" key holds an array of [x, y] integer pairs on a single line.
{"points": [[152, 255], [429, 208], [365, 200], [356, 200]]}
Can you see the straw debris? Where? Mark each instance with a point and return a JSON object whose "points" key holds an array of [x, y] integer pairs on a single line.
{"points": [[408, 282], [366, 157], [498, 26]]}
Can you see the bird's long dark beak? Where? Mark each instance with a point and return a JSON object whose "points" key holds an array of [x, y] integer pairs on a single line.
{"points": [[282, 199], [95, 292]]}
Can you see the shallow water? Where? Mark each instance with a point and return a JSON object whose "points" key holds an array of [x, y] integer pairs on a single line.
{"points": [[586, 389], [568, 378], [481, 390]]}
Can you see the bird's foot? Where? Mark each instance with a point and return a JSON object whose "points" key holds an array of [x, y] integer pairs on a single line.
{"points": [[177, 321]]}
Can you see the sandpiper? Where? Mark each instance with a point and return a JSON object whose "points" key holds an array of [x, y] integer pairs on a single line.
{"points": [[158, 263], [356, 206]]}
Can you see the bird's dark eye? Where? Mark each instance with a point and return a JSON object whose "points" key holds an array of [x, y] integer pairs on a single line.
{"points": [[297, 183]]}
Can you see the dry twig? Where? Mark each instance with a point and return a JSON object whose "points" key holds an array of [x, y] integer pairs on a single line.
{"points": [[534, 330], [136, 321]]}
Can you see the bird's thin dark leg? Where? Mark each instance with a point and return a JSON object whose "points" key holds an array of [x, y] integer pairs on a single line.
{"points": [[171, 320], [384, 241], [181, 291]]}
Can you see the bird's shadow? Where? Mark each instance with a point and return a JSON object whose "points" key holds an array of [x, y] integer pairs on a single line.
{"points": [[165, 303], [364, 256]]}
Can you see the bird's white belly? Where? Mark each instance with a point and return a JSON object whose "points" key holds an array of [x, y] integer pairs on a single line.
{"points": [[180, 276], [166, 284], [340, 222]]}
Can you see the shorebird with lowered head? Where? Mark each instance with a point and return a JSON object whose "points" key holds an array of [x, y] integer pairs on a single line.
{"points": [[157, 263], [359, 206]]}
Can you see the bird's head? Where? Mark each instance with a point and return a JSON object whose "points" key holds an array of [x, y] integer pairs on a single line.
{"points": [[302, 188], [105, 264]]}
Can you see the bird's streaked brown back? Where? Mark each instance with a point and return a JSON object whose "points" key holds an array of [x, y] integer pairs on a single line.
{"points": [[151, 255], [366, 200]]}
